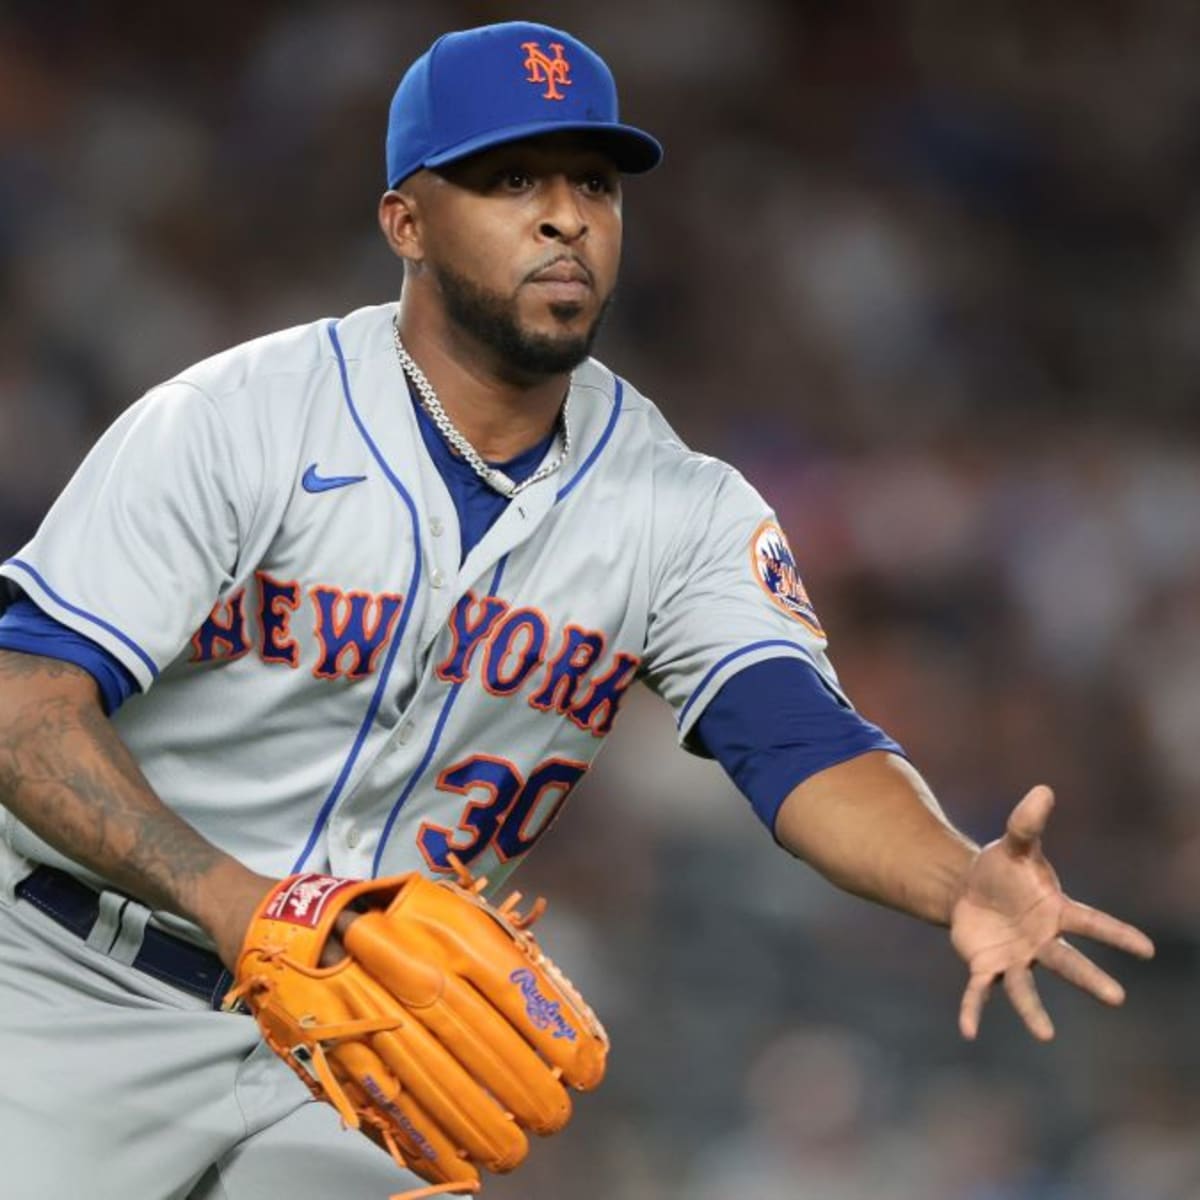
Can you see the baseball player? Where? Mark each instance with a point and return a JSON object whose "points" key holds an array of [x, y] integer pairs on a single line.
{"points": [[365, 597]]}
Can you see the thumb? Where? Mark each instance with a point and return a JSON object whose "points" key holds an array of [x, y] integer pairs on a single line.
{"points": [[1027, 822]]}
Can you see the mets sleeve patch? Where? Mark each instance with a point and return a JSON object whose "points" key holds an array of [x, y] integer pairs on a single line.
{"points": [[774, 567]]}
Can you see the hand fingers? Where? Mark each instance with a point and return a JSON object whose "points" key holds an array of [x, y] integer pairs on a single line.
{"points": [[979, 987], [1023, 993], [1091, 922], [1078, 969], [1027, 821]]}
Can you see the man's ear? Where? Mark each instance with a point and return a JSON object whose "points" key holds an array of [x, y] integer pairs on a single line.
{"points": [[399, 218]]}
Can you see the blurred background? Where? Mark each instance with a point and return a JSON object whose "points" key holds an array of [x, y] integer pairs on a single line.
{"points": [[928, 273]]}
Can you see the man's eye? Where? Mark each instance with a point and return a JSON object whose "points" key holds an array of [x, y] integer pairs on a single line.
{"points": [[515, 180], [597, 185]]}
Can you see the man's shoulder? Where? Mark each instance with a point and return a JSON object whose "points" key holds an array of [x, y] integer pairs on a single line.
{"points": [[293, 357], [634, 417], [614, 392], [646, 434]]}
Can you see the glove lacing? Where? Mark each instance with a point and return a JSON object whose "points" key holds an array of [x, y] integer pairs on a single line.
{"points": [[520, 924]]}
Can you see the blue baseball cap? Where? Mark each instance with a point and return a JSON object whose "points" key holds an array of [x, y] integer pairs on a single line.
{"points": [[502, 83]]}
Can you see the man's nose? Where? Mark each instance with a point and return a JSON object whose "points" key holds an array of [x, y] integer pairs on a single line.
{"points": [[563, 218]]}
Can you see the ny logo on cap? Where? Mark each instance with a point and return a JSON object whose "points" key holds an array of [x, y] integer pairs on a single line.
{"points": [[550, 71]]}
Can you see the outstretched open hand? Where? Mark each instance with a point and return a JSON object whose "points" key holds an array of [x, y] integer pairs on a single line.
{"points": [[1012, 913]]}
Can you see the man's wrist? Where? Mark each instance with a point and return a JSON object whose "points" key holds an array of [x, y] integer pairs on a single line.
{"points": [[952, 885], [225, 905]]}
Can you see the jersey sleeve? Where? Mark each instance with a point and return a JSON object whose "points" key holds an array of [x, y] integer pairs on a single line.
{"points": [[138, 545], [28, 630], [726, 591]]}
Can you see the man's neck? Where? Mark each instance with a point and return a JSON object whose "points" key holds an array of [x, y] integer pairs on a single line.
{"points": [[499, 417]]}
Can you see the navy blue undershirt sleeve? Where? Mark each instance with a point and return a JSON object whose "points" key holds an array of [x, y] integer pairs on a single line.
{"points": [[776, 723], [24, 627]]}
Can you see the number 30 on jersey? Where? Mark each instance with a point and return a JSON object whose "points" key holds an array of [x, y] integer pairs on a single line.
{"points": [[510, 814]]}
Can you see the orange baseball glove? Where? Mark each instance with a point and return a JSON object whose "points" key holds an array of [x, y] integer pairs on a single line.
{"points": [[444, 1034]]}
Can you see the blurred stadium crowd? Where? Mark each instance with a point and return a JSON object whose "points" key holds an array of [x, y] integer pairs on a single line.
{"points": [[929, 274]]}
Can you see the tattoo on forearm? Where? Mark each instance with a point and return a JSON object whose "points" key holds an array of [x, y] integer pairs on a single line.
{"points": [[66, 774]]}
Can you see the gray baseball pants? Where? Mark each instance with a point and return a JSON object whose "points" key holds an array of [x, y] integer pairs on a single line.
{"points": [[115, 1086]]}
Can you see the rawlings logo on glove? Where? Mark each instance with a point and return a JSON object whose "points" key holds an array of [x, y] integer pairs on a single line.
{"points": [[444, 1034], [543, 1012], [303, 898]]}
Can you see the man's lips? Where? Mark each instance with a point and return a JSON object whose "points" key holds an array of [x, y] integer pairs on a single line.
{"points": [[565, 279], [563, 272]]}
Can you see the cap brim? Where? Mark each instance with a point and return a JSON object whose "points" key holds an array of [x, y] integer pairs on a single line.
{"points": [[632, 150]]}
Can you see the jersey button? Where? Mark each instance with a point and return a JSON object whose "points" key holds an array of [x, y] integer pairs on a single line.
{"points": [[353, 837], [436, 578], [436, 527], [405, 734]]}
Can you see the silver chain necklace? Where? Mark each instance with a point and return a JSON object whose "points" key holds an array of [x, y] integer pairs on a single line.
{"points": [[492, 476]]}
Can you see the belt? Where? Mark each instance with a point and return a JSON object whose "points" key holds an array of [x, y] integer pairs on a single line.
{"points": [[75, 906]]}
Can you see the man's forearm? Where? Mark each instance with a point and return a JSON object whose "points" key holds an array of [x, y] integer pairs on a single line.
{"points": [[873, 827], [66, 774]]}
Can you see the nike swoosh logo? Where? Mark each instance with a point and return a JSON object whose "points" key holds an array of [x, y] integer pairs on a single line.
{"points": [[312, 482]]}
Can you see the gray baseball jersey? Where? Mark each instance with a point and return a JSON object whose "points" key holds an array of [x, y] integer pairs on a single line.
{"points": [[267, 546]]}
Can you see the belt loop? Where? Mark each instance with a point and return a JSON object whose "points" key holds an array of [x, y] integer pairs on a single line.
{"points": [[133, 932], [118, 926], [108, 921], [217, 995]]}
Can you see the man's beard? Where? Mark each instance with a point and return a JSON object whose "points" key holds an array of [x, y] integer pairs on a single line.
{"points": [[492, 320]]}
